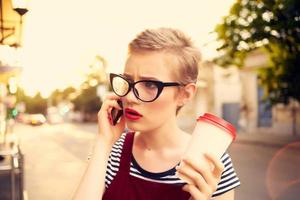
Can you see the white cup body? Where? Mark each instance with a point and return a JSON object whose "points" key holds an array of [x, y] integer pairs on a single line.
{"points": [[208, 138]]}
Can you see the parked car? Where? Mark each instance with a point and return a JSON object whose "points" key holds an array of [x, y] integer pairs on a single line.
{"points": [[36, 119]]}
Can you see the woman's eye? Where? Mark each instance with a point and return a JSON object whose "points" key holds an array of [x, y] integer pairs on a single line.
{"points": [[150, 85]]}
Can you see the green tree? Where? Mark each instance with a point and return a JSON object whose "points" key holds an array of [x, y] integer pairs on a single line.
{"points": [[36, 104], [274, 27], [96, 72], [55, 97], [21, 95], [67, 92], [87, 101]]}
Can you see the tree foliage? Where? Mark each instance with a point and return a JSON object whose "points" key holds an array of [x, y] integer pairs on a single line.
{"points": [[35, 104], [61, 95], [87, 100], [274, 27]]}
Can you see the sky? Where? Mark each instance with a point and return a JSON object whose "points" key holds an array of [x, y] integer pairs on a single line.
{"points": [[62, 37]]}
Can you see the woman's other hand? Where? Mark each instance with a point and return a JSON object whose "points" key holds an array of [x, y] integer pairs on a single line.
{"points": [[202, 179]]}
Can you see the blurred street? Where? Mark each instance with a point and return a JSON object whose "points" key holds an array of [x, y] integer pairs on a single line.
{"points": [[55, 158], [266, 164]]}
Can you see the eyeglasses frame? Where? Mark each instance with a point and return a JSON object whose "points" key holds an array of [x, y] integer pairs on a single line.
{"points": [[160, 86]]}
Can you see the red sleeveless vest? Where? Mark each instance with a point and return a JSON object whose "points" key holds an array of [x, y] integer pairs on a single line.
{"points": [[127, 187]]}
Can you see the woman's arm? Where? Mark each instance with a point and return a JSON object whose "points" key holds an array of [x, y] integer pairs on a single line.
{"points": [[92, 184]]}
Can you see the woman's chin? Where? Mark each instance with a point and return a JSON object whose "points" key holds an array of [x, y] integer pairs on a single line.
{"points": [[137, 127], [133, 126]]}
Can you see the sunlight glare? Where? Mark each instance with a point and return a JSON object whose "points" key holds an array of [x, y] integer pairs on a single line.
{"points": [[61, 38]]}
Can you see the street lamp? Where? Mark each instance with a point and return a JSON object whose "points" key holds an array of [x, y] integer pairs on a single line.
{"points": [[20, 6]]}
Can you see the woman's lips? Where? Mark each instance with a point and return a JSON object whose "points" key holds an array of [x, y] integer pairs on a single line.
{"points": [[132, 114]]}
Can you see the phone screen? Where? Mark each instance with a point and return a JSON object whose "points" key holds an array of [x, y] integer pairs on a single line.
{"points": [[116, 114]]}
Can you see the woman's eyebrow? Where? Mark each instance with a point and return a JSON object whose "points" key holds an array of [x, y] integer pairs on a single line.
{"points": [[141, 77]]}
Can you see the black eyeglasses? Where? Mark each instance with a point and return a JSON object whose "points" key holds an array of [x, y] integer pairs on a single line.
{"points": [[144, 90]]}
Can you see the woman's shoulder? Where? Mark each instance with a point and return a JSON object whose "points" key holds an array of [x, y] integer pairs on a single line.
{"points": [[120, 142], [118, 145]]}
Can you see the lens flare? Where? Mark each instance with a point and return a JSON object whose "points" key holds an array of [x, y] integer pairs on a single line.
{"points": [[282, 185]]}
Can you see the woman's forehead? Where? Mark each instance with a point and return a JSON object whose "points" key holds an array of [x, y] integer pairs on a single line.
{"points": [[156, 65]]}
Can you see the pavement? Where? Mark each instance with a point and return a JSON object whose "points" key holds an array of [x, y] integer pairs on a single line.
{"points": [[259, 138], [267, 139], [262, 136]]}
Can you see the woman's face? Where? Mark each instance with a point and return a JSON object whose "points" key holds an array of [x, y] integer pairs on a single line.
{"points": [[151, 115]]}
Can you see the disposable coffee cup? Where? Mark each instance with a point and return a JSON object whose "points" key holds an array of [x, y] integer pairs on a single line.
{"points": [[212, 135]]}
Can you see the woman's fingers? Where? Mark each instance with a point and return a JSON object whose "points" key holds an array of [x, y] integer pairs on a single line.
{"points": [[218, 165], [205, 174], [194, 191], [107, 106], [184, 177], [196, 178], [110, 103], [203, 170]]}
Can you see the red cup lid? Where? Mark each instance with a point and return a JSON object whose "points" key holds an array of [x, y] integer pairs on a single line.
{"points": [[221, 123]]}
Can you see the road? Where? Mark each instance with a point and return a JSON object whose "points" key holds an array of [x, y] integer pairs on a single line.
{"points": [[266, 171], [55, 158]]}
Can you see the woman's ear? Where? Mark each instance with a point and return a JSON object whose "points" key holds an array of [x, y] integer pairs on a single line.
{"points": [[187, 93]]}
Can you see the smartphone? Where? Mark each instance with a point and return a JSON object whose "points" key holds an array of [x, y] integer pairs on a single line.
{"points": [[116, 114]]}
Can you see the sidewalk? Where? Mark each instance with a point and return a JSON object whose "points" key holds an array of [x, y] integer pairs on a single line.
{"points": [[266, 139], [259, 137]]}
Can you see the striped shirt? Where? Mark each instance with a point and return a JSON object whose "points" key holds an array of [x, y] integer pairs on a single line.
{"points": [[229, 179]]}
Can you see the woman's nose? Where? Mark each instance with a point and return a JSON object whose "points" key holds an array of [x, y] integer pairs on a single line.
{"points": [[131, 98]]}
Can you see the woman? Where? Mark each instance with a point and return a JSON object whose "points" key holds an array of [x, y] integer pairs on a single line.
{"points": [[159, 78]]}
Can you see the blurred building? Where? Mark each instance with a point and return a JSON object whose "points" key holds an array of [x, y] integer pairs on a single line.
{"points": [[235, 95], [11, 157], [11, 13], [280, 119]]}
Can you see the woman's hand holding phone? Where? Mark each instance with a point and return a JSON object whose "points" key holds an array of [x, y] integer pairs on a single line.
{"points": [[109, 129]]}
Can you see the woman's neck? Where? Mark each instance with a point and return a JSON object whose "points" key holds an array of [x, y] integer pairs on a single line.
{"points": [[167, 136]]}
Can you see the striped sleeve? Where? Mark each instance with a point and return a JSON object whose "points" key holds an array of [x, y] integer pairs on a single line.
{"points": [[114, 160], [229, 179]]}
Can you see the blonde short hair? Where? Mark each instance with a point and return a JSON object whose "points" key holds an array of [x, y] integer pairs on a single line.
{"points": [[176, 43]]}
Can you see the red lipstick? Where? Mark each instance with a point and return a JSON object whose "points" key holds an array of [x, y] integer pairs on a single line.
{"points": [[132, 114]]}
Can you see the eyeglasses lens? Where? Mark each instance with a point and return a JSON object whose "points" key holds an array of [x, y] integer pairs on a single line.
{"points": [[144, 90], [120, 86]]}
